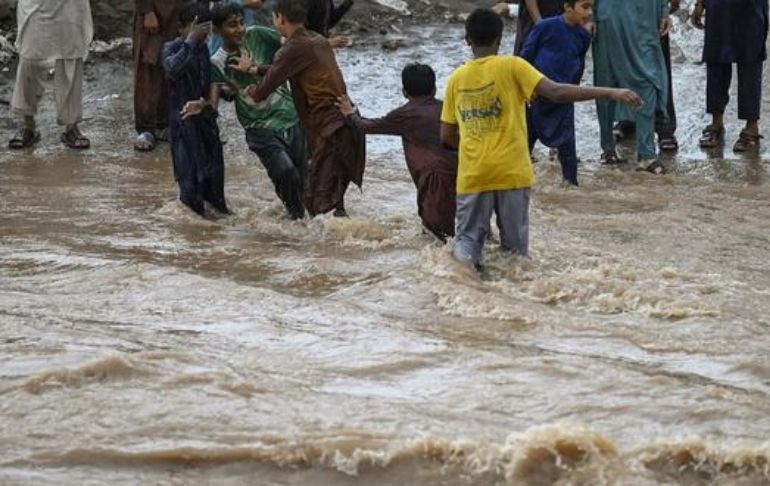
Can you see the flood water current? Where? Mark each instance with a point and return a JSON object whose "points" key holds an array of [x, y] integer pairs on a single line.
{"points": [[141, 344]]}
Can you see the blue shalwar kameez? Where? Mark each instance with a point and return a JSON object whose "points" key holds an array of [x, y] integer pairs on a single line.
{"points": [[736, 32], [196, 149], [557, 50], [628, 54]]}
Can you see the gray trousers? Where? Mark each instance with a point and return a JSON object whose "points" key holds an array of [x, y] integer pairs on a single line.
{"points": [[68, 89], [474, 212]]}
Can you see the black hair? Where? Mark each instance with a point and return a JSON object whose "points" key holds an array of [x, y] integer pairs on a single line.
{"points": [[571, 3], [223, 11], [483, 27], [295, 11], [418, 80], [191, 10]]}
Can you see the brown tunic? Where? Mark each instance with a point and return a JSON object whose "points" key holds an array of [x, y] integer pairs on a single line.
{"points": [[150, 107], [338, 152], [433, 167]]}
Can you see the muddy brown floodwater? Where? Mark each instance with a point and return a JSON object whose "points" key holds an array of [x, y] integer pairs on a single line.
{"points": [[143, 345]]}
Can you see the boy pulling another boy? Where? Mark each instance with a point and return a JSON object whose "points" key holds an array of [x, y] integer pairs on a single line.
{"points": [[338, 151], [485, 116], [273, 131]]}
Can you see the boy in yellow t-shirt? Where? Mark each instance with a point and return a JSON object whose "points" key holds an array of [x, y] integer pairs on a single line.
{"points": [[485, 116]]}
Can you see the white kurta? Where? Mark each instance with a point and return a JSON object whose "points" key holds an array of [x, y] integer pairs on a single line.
{"points": [[54, 29]]}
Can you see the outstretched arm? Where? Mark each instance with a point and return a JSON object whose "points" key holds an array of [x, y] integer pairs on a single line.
{"points": [[569, 93], [390, 124], [288, 62]]}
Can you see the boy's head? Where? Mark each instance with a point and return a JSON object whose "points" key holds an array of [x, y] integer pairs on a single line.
{"points": [[418, 80], [484, 28], [288, 15], [228, 23], [578, 12], [192, 11]]}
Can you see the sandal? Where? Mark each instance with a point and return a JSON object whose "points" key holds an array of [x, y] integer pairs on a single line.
{"points": [[145, 142], [162, 135], [73, 139], [610, 158], [23, 138], [622, 130], [653, 166], [713, 135], [668, 143], [746, 141]]}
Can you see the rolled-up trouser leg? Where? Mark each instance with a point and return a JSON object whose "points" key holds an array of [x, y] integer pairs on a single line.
{"points": [[272, 149], [28, 89], [472, 225], [718, 79], [68, 81], [749, 90], [512, 209]]}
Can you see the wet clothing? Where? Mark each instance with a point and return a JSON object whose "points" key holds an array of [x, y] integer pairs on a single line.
{"points": [[272, 127], [487, 99], [196, 149], [557, 50], [628, 54], [525, 23], [150, 98], [736, 32], [323, 15], [338, 152], [58, 33], [432, 166], [284, 156], [474, 212]]}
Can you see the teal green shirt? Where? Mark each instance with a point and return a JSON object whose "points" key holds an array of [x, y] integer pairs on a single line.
{"points": [[277, 112]]}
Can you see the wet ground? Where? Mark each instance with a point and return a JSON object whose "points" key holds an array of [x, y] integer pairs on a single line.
{"points": [[141, 344]]}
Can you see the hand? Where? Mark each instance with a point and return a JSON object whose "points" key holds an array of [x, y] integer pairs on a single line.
{"points": [[501, 9], [151, 23], [697, 16], [193, 108], [674, 5], [665, 26], [198, 32], [627, 96], [251, 91], [345, 105], [339, 41], [244, 64]]}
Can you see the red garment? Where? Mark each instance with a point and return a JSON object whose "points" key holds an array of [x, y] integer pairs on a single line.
{"points": [[432, 166], [338, 153]]}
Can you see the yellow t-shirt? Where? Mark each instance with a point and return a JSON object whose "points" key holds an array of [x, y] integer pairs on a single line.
{"points": [[487, 98]]}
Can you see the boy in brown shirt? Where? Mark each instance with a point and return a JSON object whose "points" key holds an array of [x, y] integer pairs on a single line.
{"points": [[338, 151]]}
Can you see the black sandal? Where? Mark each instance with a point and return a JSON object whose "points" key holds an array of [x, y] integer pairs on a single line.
{"points": [[610, 158], [746, 141], [73, 139], [24, 138], [713, 135]]}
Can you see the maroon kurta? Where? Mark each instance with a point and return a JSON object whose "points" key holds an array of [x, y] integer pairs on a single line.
{"points": [[338, 152], [150, 107], [433, 167]]}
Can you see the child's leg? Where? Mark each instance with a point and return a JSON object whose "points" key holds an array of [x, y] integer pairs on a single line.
{"points": [[473, 214], [718, 79], [645, 128], [569, 161], [271, 149], [605, 108], [749, 91], [512, 208]]}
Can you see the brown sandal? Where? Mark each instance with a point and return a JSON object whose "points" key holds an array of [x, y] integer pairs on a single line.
{"points": [[73, 139], [713, 136], [746, 141]]}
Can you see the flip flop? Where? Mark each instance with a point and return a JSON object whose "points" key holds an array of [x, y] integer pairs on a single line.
{"points": [[24, 138], [145, 142], [73, 139]]}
